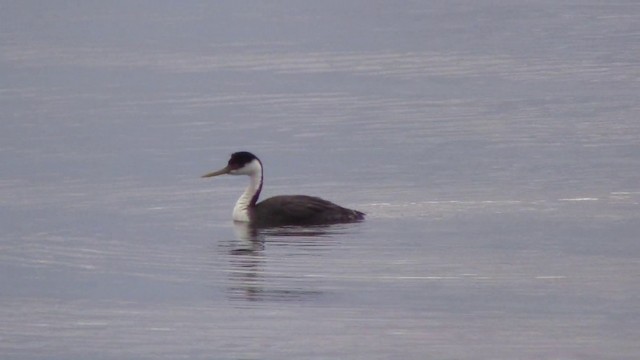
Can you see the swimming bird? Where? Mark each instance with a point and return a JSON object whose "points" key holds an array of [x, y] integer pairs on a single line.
{"points": [[279, 210]]}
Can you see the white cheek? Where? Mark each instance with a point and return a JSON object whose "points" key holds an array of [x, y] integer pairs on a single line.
{"points": [[251, 168]]}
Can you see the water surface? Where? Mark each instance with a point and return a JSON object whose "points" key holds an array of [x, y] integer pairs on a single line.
{"points": [[494, 147]]}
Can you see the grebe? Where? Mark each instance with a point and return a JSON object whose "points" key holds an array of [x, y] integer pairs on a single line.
{"points": [[279, 210]]}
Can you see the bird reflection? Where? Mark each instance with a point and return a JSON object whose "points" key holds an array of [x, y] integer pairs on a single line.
{"points": [[250, 280]]}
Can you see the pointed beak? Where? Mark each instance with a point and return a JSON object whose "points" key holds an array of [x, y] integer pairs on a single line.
{"points": [[224, 170]]}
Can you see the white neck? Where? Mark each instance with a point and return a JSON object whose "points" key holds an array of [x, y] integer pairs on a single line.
{"points": [[241, 210]]}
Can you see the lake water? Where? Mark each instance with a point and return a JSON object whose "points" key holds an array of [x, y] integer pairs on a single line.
{"points": [[495, 147]]}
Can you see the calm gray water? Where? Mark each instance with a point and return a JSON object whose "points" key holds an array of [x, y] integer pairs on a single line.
{"points": [[495, 146]]}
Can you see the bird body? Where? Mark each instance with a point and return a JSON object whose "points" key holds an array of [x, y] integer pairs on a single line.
{"points": [[302, 210], [282, 210]]}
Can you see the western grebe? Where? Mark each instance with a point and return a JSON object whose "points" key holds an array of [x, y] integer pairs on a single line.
{"points": [[279, 210]]}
